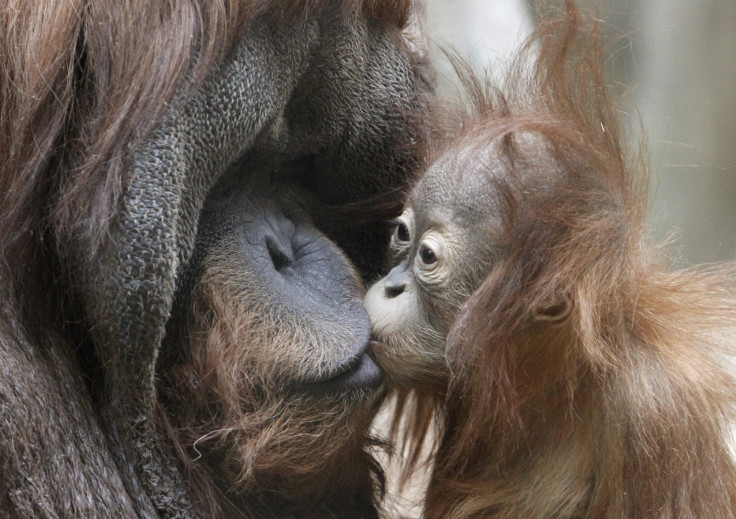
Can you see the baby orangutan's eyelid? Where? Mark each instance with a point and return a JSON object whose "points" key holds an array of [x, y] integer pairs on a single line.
{"points": [[398, 253], [432, 277], [407, 216], [401, 237]]}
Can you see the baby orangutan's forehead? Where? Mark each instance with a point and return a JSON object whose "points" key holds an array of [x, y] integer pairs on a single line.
{"points": [[458, 186]]}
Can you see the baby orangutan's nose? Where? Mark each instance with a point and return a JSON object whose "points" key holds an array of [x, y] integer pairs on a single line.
{"points": [[397, 280], [393, 290]]}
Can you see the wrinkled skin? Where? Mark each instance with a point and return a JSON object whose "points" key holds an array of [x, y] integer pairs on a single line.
{"points": [[442, 247], [326, 98]]}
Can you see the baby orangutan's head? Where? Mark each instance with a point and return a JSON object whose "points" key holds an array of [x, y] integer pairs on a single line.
{"points": [[459, 222], [443, 245]]}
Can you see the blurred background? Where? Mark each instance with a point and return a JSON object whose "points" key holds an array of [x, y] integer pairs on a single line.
{"points": [[674, 61]]}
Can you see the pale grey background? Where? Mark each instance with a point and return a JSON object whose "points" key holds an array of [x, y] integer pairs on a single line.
{"points": [[676, 62]]}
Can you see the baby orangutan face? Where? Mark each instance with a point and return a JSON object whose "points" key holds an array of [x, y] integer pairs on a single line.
{"points": [[442, 247]]}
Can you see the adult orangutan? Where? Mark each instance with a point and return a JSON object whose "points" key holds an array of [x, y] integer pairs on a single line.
{"points": [[169, 348]]}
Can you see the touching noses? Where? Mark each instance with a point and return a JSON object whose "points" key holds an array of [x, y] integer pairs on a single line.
{"points": [[397, 280]]}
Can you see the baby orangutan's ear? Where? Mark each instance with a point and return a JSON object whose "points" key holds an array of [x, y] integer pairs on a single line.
{"points": [[556, 311]]}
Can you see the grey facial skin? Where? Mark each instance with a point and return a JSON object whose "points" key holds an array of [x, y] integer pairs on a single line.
{"points": [[262, 240], [88, 319], [443, 245]]}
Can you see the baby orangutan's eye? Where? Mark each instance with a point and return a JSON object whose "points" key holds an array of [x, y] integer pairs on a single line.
{"points": [[431, 260], [402, 233], [401, 236], [427, 255]]}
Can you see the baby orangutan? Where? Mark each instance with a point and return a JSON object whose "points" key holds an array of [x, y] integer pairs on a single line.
{"points": [[585, 378]]}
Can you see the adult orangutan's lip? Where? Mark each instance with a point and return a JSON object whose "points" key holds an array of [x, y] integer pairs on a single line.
{"points": [[360, 372]]}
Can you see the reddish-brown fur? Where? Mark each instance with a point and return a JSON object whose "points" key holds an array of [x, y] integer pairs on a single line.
{"points": [[622, 408], [239, 435]]}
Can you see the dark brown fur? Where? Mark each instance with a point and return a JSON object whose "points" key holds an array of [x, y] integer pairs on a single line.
{"points": [[84, 86], [623, 407], [76, 113]]}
